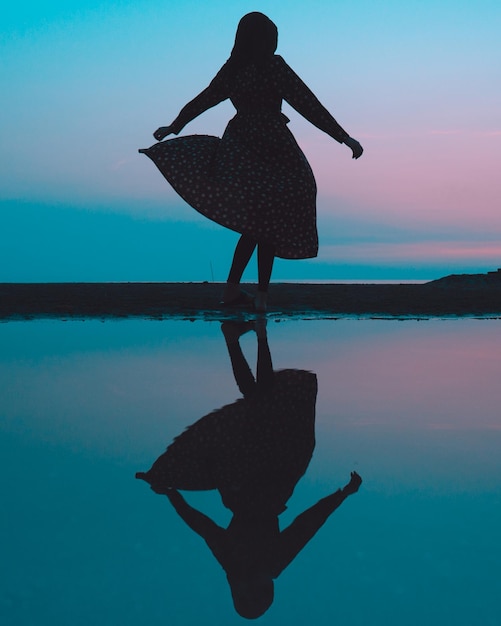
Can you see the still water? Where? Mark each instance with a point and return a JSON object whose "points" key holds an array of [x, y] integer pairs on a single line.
{"points": [[255, 524]]}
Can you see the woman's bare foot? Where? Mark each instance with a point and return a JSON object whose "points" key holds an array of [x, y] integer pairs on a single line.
{"points": [[234, 296], [260, 301]]}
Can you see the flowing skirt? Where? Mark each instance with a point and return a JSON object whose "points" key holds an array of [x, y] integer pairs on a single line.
{"points": [[255, 180], [253, 451]]}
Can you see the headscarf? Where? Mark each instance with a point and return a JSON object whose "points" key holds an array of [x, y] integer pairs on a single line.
{"points": [[255, 42]]}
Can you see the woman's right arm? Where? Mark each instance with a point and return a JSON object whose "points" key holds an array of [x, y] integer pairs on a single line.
{"points": [[294, 91]]}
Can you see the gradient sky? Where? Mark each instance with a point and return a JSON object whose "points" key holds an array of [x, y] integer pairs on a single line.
{"points": [[85, 82]]}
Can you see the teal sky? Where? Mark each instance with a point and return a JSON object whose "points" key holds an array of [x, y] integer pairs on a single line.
{"points": [[85, 83]]}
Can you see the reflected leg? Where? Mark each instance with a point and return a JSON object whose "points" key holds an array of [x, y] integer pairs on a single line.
{"points": [[241, 370], [264, 369]]}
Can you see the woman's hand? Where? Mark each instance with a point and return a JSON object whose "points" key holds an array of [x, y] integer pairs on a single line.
{"points": [[355, 147], [162, 132], [354, 484]]}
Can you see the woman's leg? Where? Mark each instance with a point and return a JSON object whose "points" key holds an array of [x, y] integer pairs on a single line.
{"points": [[243, 252], [265, 258]]}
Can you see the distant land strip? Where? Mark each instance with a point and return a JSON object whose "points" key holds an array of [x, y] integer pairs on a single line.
{"points": [[464, 295]]}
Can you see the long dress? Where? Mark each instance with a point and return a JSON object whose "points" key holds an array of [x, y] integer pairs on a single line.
{"points": [[253, 451], [254, 180]]}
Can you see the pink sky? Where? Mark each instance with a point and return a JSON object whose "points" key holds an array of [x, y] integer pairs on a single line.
{"points": [[85, 84]]}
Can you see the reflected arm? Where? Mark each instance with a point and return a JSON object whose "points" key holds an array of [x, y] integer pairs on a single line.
{"points": [[197, 521], [305, 526]]}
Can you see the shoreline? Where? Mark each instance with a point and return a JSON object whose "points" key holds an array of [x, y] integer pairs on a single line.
{"points": [[453, 296]]}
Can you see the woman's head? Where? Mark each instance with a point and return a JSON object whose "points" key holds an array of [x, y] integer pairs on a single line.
{"points": [[255, 41]]}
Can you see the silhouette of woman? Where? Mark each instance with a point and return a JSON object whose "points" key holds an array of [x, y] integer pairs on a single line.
{"points": [[255, 180], [253, 452]]}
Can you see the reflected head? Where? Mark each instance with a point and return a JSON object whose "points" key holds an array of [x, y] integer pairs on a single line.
{"points": [[252, 596]]}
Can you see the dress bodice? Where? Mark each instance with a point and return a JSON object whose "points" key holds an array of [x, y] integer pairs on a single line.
{"points": [[261, 89]]}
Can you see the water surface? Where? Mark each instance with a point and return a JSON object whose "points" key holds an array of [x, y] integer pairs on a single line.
{"points": [[412, 406]]}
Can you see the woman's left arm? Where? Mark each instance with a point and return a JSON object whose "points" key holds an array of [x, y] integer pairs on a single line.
{"points": [[215, 93]]}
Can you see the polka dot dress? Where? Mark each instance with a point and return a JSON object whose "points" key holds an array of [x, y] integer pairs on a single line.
{"points": [[253, 451], [254, 180]]}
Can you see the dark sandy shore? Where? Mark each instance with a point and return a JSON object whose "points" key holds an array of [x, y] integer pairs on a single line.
{"points": [[476, 295]]}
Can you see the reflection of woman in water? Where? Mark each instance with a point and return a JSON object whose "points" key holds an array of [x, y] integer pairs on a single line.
{"points": [[253, 451], [255, 180]]}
